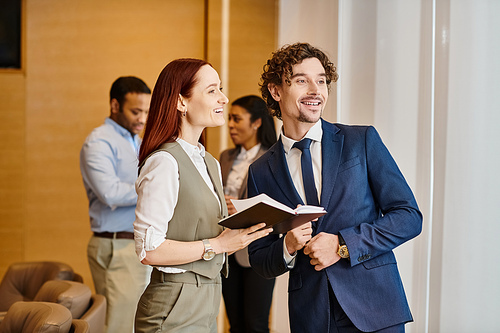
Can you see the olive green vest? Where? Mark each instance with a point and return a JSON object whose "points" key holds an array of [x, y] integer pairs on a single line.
{"points": [[197, 212]]}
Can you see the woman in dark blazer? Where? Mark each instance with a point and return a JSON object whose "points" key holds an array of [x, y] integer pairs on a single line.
{"points": [[247, 296]]}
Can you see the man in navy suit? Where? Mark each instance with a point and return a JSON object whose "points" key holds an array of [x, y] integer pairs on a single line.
{"points": [[343, 272]]}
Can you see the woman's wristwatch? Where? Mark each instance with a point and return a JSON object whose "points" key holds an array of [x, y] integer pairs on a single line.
{"points": [[209, 253]]}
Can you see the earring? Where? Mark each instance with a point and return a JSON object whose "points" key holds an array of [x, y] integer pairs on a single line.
{"points": [[184, 113]]}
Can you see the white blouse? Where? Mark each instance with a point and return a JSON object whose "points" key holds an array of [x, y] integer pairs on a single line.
{"points": [[239, 170], [158, 190]]}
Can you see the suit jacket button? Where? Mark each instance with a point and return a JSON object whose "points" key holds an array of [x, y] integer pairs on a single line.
{"points": [[364, 257]]}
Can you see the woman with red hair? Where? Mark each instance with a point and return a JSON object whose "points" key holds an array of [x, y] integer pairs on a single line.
{"points": [[180, 201]]}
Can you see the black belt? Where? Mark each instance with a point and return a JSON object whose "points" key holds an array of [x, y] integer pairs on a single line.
{"points": [[115, 235]]}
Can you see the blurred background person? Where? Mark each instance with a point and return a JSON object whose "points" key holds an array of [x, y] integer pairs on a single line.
{"points": [[108, 163], [247, 295], [180, 203]]}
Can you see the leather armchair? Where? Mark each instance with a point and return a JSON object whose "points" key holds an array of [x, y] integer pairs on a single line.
{"points": [[78, 299], [22, 280], [96, 314], [79, 326], [75, 296], [49, 282], [36, 317]]}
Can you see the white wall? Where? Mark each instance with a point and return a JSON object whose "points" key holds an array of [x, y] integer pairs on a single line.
{"points": [[470, 292], [380, 65], [315, 22], [425, 73]]}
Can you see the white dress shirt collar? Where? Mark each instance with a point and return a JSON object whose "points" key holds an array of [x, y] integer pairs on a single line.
{"points": [[190, 149], [315, 133], [250, 153]]}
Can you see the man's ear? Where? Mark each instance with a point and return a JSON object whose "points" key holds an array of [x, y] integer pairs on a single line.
{"points": [[114, 106], [273, 89]]}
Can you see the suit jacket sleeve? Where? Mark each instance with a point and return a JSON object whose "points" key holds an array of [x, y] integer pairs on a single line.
{"points": [[399, 220]]}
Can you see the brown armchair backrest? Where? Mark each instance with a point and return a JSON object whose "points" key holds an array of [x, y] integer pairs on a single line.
{"points": [[36, 317], [78, 299], [73, 295], [22, 280]]}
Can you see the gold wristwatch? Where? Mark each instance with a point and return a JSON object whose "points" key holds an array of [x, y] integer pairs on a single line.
{"points": [[343, 252]]}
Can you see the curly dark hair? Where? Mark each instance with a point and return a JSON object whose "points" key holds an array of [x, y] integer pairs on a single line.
{"points": [[278, 69]]}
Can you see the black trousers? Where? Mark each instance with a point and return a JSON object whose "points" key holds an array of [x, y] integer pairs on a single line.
{"points": [[247, 297]]}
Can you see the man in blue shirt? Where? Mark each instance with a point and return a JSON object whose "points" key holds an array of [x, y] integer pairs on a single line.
{"points": [[108, 163]]}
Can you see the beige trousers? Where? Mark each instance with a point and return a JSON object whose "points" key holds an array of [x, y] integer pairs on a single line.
{"points": [[120, 277], [179, 303]]}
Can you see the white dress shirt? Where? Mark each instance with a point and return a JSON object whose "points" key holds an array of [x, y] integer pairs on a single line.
{"points": [[293, 156], [158, 191]]}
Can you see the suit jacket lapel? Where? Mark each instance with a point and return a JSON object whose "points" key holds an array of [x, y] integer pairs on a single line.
{"points": [[227, 163], [279, 169], [331, 151]]}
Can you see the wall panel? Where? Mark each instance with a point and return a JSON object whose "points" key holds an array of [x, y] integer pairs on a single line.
{"points": [[12, 167], [252, 38], [74, 51]]}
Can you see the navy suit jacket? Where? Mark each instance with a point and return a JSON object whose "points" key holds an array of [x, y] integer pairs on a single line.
{"points": [[370, 204]]}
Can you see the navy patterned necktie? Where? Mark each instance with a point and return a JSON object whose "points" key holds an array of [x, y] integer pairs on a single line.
{"points": [[307, 171]]}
